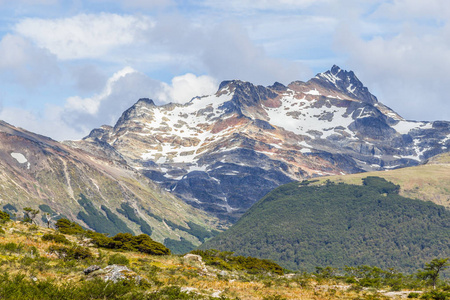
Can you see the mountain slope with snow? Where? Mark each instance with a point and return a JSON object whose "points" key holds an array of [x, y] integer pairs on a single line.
{"points": [[225, 151], [101, 194]]}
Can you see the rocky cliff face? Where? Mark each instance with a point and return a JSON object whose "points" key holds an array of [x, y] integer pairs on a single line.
{"points": [[98, 191], [223, 152]]}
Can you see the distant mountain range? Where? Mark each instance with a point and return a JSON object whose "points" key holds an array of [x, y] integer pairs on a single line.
{"points": [[223, 152], [184, 172]]}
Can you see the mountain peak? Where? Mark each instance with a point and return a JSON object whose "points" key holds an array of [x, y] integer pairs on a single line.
{"points": [[335, 69], [232, 83], [345, 81], [146, 102]]}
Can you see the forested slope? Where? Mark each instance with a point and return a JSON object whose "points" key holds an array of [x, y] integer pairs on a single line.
{"points": [[302, 226]]}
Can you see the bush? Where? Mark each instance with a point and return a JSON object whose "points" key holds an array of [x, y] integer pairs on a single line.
{"points": [[67, 227], [118, 259], [4, 217], [126, 241], [413, 295], [72, 253], [57, 238], [12, 247], [226, 260], [381, 185]]}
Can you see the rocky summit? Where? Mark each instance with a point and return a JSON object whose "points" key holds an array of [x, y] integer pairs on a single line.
{"points": [[225, 151]]}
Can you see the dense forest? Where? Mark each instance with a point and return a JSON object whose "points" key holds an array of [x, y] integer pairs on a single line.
{"points": [[302, 226]]}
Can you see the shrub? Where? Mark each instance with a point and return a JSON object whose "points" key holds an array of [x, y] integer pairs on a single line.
{"points": [[57, 238], [126, 241], [118, 259], [11, 247], [381, 185], [67, 227], [4, 217], [413, 295], [226, 260], [29, 214], [72, 253]]}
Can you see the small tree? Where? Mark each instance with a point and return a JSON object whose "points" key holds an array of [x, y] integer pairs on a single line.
{"points": [[432, 270], [4, 217], [29, 214]]}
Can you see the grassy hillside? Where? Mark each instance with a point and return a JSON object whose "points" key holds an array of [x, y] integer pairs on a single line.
{"points": [[34, 265], [102, 194], [428, 182], [301, 227]]}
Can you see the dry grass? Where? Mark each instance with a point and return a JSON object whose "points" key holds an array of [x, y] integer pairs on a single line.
{"points": [[430, 182], [161, 271]]}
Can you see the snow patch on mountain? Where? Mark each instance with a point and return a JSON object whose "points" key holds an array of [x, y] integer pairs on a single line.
{"points": [[302, 117], [404, 127], [21, 159]]}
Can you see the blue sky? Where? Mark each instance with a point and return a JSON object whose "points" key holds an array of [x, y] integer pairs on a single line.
{"points": [[67, 67]]}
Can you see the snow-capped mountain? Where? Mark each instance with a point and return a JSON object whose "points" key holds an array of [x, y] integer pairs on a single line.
{"points": [[223, 152]]}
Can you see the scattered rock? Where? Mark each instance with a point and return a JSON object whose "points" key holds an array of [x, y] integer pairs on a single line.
{"points": [[115, 273], [188, 289], [193, 257], [216, 294], [91, 269], [197, 259]]}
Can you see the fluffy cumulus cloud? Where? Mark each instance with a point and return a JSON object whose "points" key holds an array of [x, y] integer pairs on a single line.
{"points": [[78, 116], [186, 87], [84, 35], [123, 89]]}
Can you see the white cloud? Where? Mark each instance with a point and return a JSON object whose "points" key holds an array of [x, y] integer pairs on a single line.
{"points": [[125, 88], [146, 4], [223, 50], [408, 9], [186, 87], [84, 35], [229, 53], [408, 70], [24, 63], [30, 2], [91, 105], [49, 124], [249, 5]]}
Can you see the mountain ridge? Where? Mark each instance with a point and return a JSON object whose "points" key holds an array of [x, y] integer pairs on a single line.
{"points": [[266, 136], [99, 192]]}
